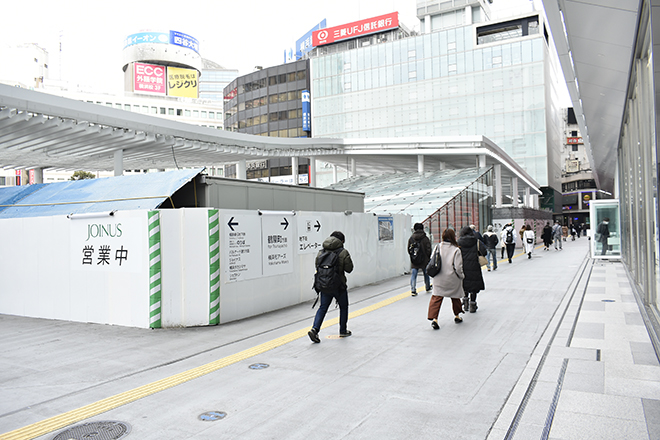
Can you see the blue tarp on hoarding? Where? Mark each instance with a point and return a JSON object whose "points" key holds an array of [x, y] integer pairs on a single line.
{"points": [[139, 191]]}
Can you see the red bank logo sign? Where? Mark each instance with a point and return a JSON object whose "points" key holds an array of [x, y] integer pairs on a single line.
{"points": [[355, 29]]}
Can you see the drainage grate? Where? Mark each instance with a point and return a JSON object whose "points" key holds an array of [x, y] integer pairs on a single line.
{"points": [[607, 300], [212, 416], [258, 366], [105, 430]]}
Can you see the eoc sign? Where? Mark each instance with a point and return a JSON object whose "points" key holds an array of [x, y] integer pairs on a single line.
{"points": [[149, 78], [356, 29]]}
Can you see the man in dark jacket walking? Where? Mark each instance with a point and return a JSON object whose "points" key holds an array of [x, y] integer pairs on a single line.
{"points": [[334, 243], [491, 246], [419, 250], [473, 281], [603, 230]]}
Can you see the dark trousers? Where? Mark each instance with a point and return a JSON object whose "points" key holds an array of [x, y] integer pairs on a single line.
{"points": [[326, 300], [510, 249], [436, 302]]}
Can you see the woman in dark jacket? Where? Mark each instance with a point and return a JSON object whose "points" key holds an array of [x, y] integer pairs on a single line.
{"points": [[547, 236], [473, 281]]}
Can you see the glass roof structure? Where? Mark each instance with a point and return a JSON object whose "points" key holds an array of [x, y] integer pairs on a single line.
{"points": [[419, 195]]}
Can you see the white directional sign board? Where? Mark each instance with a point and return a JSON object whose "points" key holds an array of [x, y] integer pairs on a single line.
{"points": [[310, 234], [277, 244], [242, 252]]}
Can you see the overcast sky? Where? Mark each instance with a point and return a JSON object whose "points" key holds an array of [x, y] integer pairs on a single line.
{"points": [[233, 33]]}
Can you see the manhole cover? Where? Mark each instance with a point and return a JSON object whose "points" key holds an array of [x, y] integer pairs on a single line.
{"points": [[212, 416], [105, 430], [259, 366], [608, 300]]}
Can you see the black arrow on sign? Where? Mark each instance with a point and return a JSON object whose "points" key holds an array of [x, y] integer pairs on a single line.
{"points": [[317, 226], [231, 223], [285, 223]]}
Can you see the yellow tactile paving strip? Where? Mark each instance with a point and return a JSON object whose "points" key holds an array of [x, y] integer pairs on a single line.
{"points": [[68, 418]]}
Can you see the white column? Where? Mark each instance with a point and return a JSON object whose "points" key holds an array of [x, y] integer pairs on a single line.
{"points": [[514, 191], [334, 174], [528, 198], [442, 166], [481, 161], [468, 15], [353, 167], [38, 175], [119, 163], [498, 185], [241, 170], [427, 24], [294, 169], [420, 163], [312, 172]]}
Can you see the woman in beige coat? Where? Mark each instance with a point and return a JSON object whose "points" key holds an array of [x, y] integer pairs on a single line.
{"points": [[449, 282]]}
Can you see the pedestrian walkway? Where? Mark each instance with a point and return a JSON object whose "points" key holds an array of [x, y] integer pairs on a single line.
{"points": [[557, 350]]}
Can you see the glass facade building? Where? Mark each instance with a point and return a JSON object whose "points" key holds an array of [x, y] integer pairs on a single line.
{"points": [[268, 102], [638, 171], [494, 79], [213, 79]]}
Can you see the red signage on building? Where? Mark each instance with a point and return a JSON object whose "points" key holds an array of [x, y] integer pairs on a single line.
{"points": [[149, 78], [574, 140], [355, 29]]}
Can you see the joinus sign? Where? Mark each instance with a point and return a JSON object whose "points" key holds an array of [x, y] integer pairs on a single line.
{"points": [[356, 29]]}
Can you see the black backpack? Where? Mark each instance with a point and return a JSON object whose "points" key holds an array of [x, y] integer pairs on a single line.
{"points": [[509, 236], [327, 278], [415, 252]]}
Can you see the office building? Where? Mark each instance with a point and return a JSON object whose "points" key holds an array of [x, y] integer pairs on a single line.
{"points": [[463, 76]]}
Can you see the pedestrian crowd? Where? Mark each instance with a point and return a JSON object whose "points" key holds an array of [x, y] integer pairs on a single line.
{"points": [[451, 269]]}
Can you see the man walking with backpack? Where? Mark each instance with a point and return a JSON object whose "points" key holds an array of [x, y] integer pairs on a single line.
{"points": [[419, 250], [330, 282]]}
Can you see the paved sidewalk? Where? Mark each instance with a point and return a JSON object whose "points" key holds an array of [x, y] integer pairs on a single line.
{"points": [[557, 350], [594, 374]]}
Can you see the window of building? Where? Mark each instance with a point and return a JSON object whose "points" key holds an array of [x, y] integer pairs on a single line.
{"points": [[170, 111], [195, 114], [575, 147], [108, 104], [301, 75], [127, 107], [154, 110], [292, 95], [179, 112], [118, 105], [412, 54], [203, 113], [187, 113], [162, 110], [290, 77]]}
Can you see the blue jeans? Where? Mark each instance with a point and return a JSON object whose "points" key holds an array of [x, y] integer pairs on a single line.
{"points": [[326, 300], [492, 253], [413, 279]]}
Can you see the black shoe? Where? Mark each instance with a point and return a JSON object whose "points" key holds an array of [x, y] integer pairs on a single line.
{"points": [[428, 289], [413, 293], [509, 260], [458, 319], [435, 325], [314, 335], [346, 334]]}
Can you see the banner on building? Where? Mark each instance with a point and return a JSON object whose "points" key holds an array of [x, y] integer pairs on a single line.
{"points": [[355, 29], [149, 79], [182, 82]]}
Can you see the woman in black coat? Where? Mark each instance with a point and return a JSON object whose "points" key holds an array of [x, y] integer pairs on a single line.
{"points": [[473, 281]]}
